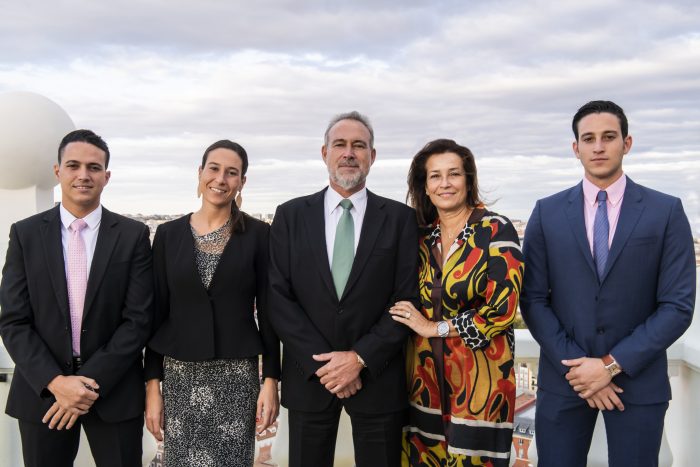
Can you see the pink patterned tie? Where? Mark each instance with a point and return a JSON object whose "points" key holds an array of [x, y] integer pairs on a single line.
{"points": [[77, 280]]}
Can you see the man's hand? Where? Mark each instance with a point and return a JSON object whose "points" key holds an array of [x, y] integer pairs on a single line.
{"points": [[59, 418], [341, 370], [587, 375], [351, 389], [75, 394], [607, 398]]}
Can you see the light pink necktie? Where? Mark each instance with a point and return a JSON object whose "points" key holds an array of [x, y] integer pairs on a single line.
{"points": [[77, 280]]}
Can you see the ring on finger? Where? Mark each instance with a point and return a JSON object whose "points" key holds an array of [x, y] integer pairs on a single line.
{"points": [[408, 315]]}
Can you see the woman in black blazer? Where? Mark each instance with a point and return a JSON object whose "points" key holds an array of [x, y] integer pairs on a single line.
{"points": [[210, 274]]}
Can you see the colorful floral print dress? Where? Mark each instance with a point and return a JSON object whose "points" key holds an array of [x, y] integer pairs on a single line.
{"points": [[462, 389]]}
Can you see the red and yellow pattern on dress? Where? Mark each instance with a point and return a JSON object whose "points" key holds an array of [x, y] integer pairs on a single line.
{"points": [[462, 389]]}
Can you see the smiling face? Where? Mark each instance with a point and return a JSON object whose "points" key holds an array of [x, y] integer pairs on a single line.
{"points": [[348, 156], [83, 175], [446, 182], [600, 148], [221, 178]]}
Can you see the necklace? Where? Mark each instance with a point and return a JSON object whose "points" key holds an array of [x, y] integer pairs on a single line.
{"points": [[450, 237]]}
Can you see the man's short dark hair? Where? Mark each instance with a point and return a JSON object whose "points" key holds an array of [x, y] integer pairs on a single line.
{"points": [[596, 107], [83, 136]]}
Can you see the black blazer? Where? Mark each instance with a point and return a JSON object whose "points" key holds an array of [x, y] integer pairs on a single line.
{"points": [[35, 318], [195, 324], [310, 318]]}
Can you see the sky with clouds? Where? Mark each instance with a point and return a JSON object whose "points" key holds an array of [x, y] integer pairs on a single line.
{"points": [[161, 80]]}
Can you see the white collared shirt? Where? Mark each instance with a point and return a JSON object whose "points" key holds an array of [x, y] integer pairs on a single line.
{"points": [[89, 233], [332, 212]]}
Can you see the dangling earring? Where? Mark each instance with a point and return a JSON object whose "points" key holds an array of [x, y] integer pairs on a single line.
{"points": [[239, 199], [199, 191]]}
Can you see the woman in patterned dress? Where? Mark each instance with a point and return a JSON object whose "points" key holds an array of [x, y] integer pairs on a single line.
{"points": [[461, 380], [210, 273]]}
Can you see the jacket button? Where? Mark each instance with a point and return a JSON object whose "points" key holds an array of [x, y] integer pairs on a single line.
{"points": [[601, 330], [340, 311], [69, 363]]}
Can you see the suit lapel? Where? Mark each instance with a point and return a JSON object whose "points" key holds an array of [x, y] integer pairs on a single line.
{"points": [[185, 255], [107, 238], [371, 226], [630, 211], [50, 232], [315, 223], [574, 212]]}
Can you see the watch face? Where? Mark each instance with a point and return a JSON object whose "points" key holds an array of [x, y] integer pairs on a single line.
{"points": [[443, 329], [613, 368]]}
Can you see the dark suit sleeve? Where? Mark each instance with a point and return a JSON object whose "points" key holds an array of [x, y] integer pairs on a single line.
{"points": [[31, 355], [153, 363], [535, 305], [387, 337], [271, 357], [288, 318], [675, 296], [109, 363]]}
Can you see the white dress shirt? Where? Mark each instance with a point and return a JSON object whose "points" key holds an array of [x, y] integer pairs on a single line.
{"points": [[89, 233], [333, 211]]}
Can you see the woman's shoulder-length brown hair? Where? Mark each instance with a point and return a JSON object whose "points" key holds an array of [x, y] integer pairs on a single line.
{"points": [[426, 213]]}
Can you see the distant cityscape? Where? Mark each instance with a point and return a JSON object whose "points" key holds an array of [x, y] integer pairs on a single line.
{"points": [[154, 220]]}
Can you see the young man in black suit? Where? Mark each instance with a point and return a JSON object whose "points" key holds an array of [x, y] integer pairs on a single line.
{"points": [[76, 298], [339, 259]]}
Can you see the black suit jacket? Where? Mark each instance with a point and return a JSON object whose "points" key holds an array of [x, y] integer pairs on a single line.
{"points": [[35, 318], [310, 318], [193, 323]]}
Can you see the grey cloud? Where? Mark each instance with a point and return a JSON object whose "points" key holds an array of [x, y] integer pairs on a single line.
{"points": [[162, 80], [36, 29]]}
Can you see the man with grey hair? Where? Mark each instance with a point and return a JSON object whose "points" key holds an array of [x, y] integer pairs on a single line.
{"points": [[339, 259]]}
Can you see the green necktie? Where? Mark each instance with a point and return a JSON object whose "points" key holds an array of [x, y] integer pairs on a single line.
{"points": [[343, 248]]}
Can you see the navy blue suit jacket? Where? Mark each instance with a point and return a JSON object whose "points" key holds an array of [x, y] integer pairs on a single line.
{"points": [[640, 306]]}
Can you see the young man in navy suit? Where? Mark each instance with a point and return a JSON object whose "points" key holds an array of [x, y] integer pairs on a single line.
{"points": [[609, 286], [340, 258], [76, 298]]}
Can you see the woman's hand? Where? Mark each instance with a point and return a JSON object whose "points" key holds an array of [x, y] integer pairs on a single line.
{"points": [[405, 313], [154, 409], [268, 405]]}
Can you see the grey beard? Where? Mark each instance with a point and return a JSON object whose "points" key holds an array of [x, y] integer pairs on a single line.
{"points": [[348, 183]]}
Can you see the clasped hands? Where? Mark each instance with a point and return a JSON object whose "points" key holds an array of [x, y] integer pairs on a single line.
{"points": [[589, 378], [341, 373], [74, 397]]}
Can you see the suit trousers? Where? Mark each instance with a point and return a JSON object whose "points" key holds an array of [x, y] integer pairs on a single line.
{"points": [[376, 437], [564, 428], [112, 444]]}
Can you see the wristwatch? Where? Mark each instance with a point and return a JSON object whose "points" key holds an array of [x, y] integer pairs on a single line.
{"points": [[443, 329], [611, 365]]}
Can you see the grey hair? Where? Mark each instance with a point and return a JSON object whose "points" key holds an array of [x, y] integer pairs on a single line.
{"points": [[354, 115]]}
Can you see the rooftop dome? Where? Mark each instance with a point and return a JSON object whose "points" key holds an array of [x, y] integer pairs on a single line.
{"points": [[32, 127]]}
